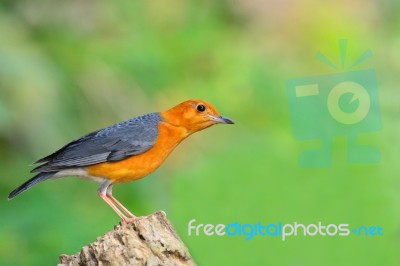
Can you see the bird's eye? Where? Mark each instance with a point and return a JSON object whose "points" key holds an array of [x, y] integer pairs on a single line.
{"points": [[201, 108]]}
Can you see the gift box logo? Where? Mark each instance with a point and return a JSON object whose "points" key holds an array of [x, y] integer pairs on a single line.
{"points": [[338, 104]]}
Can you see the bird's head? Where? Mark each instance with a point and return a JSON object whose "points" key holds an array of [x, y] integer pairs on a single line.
{"points": [[194, 115]]}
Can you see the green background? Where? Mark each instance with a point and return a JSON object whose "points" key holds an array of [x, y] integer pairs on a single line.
{"points": [[70, 67]]}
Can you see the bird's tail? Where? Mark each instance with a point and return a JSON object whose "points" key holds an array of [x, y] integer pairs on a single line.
{"points": [[33, 181]]}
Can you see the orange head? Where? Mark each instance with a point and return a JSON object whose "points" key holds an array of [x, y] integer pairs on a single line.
{"points": [[194, 115]]}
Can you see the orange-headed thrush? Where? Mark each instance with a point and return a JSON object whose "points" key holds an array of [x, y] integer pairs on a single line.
{"points": [[126, 151]]}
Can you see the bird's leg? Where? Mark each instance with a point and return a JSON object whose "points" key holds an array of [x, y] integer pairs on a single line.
{"points": [[112, 205], [105, 193], [119, 205]]}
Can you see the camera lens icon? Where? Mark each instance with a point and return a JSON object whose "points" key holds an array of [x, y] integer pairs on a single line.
{"points": [[348, 103]]}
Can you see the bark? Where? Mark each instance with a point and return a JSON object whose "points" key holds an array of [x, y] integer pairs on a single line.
{"points": [[149, 240]]}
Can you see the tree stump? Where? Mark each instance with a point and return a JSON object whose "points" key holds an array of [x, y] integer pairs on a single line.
{"points": [[149, 240]]}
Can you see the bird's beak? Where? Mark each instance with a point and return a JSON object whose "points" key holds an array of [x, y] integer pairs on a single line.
{"points": [[221, 119]]}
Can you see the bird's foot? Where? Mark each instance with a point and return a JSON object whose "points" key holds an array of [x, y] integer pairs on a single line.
{"points": [[127, 220]]}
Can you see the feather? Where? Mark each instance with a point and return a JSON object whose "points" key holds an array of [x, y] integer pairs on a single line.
{"points": [[113, 143]]}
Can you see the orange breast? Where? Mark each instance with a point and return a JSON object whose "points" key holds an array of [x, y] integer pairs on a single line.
{"points": [[139, 166]]}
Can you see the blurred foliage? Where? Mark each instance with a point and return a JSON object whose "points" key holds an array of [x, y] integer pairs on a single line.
{"points": [[70, 67]]}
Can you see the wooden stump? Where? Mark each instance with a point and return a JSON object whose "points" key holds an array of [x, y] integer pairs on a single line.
{"points": [[149, 240]]}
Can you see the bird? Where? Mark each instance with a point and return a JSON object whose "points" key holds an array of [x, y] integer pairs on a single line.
{"points": [[126, 151]]}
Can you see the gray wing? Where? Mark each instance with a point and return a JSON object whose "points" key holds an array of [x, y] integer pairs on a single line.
{"points": [[114, 143]]}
